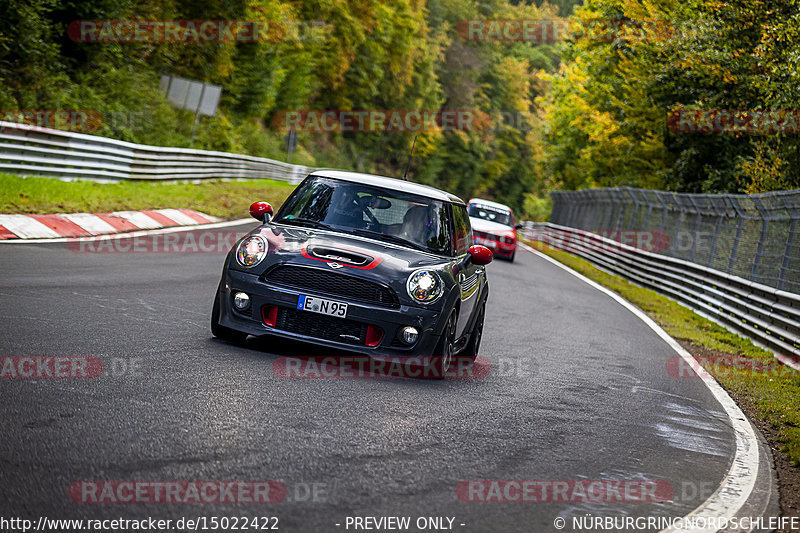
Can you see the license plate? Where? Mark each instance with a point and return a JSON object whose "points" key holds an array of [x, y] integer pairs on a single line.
{"points": [[485, 242], [322, 306]]}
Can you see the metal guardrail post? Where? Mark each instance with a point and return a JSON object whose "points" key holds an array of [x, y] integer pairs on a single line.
{"points": [[738, 237], [790, 238], [761, 239], [619, 212], [718, 218], [664, 210], [607, 196], [696, 231], [633, 221], [679, 226], [785, 262], [649, 212]]}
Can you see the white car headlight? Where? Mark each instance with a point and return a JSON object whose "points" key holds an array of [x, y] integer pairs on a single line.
{"points": [[424, 286], [251, 251]]}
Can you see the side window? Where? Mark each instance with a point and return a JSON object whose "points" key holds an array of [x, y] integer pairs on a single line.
{"points": [[462, 232]]}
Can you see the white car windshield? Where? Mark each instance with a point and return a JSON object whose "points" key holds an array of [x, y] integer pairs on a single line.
{"points": [[490, 213]]}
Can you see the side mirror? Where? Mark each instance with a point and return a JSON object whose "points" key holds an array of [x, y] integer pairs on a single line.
{"points": [[518, 226], [480, 255], [261, 211]]}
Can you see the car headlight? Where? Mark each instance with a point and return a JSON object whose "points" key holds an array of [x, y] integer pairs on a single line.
{"points": [[424, 286], [251, 251]]}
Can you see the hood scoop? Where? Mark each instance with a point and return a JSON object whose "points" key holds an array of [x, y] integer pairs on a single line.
{"points": [[338, 255]]}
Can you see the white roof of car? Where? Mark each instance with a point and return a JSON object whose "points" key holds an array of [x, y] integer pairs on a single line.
{"points": [[489, 203]]}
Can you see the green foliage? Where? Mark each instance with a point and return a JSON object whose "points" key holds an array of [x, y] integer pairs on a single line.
{"points": [[228, 199], [323, 54], [606, 113], [537, 208]]}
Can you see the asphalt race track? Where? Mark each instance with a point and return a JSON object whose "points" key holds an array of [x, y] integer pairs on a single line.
{"points": [[578, 390]]}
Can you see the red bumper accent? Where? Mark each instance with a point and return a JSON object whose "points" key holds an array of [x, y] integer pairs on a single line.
{"points": [[270, 315], [374, 336]]}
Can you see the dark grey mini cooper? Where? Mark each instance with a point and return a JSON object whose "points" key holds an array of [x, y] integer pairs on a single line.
{"points": [[370, 264]]}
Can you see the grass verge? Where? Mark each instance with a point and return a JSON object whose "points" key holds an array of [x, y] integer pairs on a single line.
{"points": [[226, 199], [769, 391]]}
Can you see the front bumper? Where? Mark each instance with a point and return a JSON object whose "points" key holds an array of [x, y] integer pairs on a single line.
{"points": [[389, 320], [498, 248]]}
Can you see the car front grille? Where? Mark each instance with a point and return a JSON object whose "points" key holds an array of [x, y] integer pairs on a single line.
{"points": [[324, 282], [321, 326], [492, 236]]}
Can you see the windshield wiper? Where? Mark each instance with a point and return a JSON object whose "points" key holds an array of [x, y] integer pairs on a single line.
{"points": [[391, 238], [306, 222]]}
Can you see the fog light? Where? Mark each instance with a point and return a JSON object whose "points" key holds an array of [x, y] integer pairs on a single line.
{"points": [[409, 335], [241, 301]]}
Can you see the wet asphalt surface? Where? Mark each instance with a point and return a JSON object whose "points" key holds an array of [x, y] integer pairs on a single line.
{"points": [[577, 388]]}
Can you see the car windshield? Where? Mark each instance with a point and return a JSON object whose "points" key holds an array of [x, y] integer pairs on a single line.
{"points": [[384, 214], [490, 213]]}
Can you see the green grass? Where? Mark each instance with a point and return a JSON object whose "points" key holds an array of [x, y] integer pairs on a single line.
{"points": [[226, 199], [771, 393]]}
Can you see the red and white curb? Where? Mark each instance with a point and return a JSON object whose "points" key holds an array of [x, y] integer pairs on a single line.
{"points": [[25, 227]]}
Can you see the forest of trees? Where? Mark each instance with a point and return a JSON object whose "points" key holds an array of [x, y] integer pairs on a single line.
{"points": [[582, 112], [607, 113]]}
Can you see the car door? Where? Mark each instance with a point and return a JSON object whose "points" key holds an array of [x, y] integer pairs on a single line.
{"points": [[469, 278]]}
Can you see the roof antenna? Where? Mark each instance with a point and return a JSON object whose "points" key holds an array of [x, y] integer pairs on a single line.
{"points": [[409, 158]]}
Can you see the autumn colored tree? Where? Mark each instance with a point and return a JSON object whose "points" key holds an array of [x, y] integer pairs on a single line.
{"points": [[606, 116]]}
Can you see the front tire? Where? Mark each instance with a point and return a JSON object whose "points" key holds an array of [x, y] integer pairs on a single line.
{"points": [[470, 351], [443, 356], [221, 332]]}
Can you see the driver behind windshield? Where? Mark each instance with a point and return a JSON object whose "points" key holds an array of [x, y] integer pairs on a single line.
{"points": [[347, 209], [361, 209]]}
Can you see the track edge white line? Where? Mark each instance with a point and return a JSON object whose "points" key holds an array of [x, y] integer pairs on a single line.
{"points": [[738, 484]]}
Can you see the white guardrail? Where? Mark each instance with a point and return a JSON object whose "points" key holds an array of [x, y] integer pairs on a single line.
{"points": [[36, 151], [769, 316]]}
